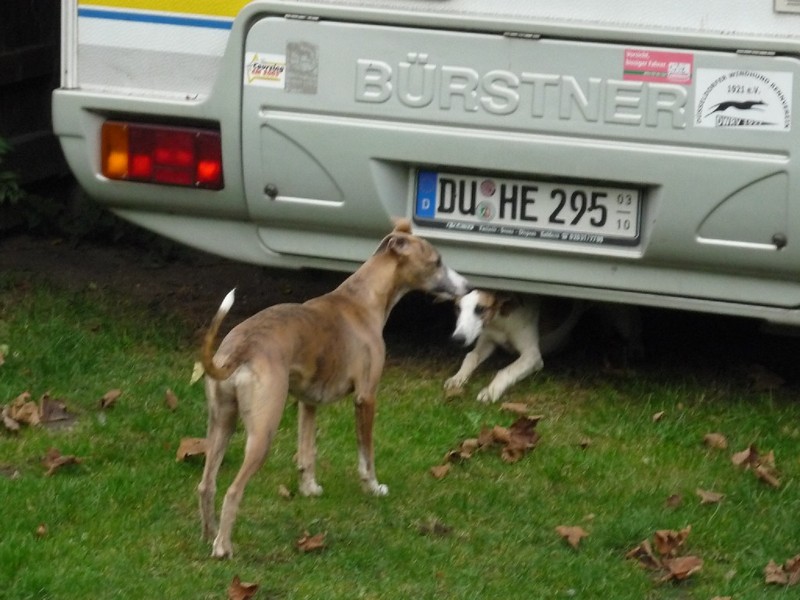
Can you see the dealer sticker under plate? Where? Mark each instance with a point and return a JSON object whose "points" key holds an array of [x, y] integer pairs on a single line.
{"points": [[527, 209]]}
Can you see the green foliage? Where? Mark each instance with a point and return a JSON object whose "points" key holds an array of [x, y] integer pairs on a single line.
{"points": [[124, 523]]}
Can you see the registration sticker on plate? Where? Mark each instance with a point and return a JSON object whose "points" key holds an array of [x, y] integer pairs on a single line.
{"points": [[527, 209]]}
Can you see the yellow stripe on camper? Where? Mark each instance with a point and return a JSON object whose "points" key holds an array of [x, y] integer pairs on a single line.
{"points": [[215, 8]]}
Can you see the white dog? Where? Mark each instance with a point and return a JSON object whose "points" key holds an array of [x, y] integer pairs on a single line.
{"points": [[528, 325]]}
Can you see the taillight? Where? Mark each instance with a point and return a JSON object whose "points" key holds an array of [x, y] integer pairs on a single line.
{"points": [[186, 156]]}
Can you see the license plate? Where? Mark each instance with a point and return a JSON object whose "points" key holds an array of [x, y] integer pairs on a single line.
{"points": [[528, 209]]}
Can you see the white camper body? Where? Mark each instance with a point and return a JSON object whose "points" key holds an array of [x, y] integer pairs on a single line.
{"points": [[643, 152]]}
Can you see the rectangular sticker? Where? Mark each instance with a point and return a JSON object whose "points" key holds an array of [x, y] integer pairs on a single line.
{"points": [[743, 99], [657, 66], [265, 70]]}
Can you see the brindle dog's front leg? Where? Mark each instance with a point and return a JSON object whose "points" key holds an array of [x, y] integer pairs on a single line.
{"points": [[307, 449], [365, 418]]}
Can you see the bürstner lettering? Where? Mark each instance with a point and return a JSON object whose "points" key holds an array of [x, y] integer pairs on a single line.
{"points": [[419, 83]]}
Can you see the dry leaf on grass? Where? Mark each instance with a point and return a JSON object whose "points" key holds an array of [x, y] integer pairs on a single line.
{"points": [[190, 447], [238, 590], [54, 460], [311, 543], [23, 410], [110, 398], [715, 440], [658, 416], [440, 471], [52, 410], [667, 542], [171, 399], [9, 423], [662, 556], [572, 534], [515, 441], [284, 492], [682, 567], [786, 574], [674, 501], [709, 497], [763, 466], [41, 530]]}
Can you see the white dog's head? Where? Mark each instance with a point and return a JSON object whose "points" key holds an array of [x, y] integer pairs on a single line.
{"points": [[475, 310]]}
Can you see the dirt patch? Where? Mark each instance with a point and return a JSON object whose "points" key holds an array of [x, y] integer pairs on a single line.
{"points": [[192, 284]]}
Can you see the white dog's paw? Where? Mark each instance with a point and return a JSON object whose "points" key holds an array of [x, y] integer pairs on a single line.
{"points": [[310, 489], [488, 395], [454, 385]]}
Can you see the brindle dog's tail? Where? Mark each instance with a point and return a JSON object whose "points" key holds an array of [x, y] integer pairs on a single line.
{"points": [[207, 355]]}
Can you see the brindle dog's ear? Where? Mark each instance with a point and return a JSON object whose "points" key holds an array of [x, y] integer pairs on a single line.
{"points": [[506, 303], [394, 243], [402, 225]]}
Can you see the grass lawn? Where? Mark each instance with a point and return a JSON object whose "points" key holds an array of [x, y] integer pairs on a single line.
{"points": [[123, 523]]}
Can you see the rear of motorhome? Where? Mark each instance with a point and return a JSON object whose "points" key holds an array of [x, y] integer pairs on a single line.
{"points": [[640, 152]]}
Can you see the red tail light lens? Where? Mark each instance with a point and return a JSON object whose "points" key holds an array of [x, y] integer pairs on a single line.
{"points": [[185, 156]]}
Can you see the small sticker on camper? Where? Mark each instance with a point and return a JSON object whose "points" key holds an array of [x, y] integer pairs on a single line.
{"points": [[743, 99], [302, 60], [657, 66], [266, 70]]}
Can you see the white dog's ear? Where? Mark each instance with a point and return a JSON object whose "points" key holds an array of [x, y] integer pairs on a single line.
{"points": [[506, 303]]}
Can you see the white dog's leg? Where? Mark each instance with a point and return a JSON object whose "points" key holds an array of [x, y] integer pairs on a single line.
{"points": [[528, 362], [483, 350]]}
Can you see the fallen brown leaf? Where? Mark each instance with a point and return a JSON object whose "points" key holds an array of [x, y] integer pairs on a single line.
{"points": [[572, 534], [716, 440], [767, 475], [786, 574], [682, 567], [709, 497], [645, 555], [54, 460], [667, 541], [284, 492], [241, 591], [763, 466], [674, 501], [658, 416], [41, 530], [774, 573], [8, 422], [746, 457], [171, 399], [110, 398], [311, 543], [190, 447], [440, 471], [52, 410], [23, 410]]}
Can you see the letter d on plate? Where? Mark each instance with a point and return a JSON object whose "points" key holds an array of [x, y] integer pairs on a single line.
{"points": [[426, 194]]}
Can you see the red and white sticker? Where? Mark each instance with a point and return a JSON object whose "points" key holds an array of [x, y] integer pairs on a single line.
{"points": [[658, 66]]}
